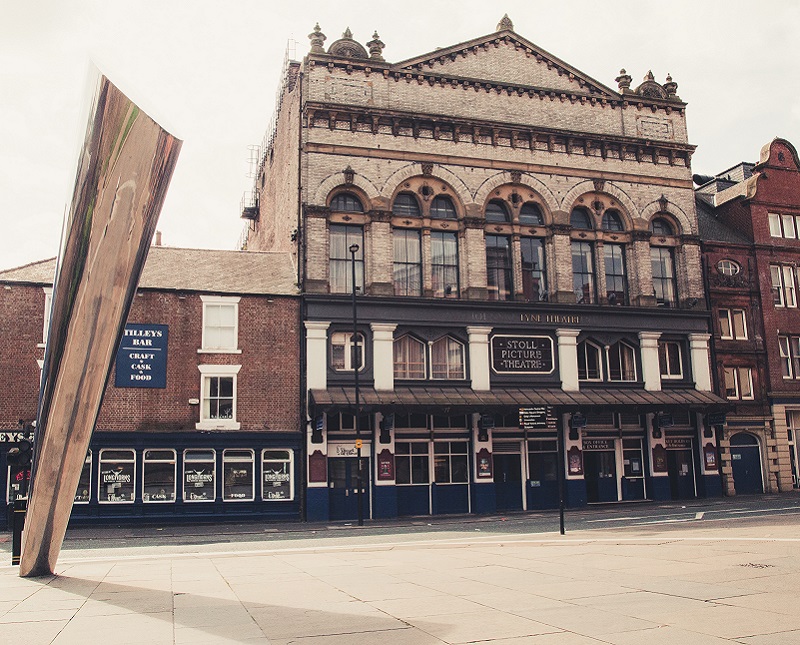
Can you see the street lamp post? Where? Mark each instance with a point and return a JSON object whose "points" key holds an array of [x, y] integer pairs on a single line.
{"points": [[355, 360]]}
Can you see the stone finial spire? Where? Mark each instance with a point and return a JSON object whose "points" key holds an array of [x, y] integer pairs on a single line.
{"points": [[317, 38], [376, 47], [670, 86], [348, 34], [624, 81], [505, 23], [649, 76]]}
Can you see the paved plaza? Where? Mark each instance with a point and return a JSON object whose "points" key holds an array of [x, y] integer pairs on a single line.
{"points": [[685, 583]]}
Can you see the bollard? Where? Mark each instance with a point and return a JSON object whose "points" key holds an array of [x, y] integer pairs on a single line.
{"points": [[17, 510]]}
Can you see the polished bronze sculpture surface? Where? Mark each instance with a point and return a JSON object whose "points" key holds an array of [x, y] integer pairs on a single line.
{"points": [[123, 173]]}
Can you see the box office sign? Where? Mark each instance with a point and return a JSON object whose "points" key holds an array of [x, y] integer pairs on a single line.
{"points": [[142, 357], [522, 354]]}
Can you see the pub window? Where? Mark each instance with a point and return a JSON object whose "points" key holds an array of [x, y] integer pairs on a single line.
{"points": [[447, 359], [82, 493], [346, 203], [542, 461], [442, 208], [498, 267], [412, 463], [583, 272], [220, 323], [158, 476], [444, 264], [277, 468], [238, 476], [117, 479], [733, 325], [616, 281], [590, 365], [342, 237], [409, 358], [199, 475], [405, 205], [670, 359], [413, 420], [345, 353], [218, 397], [531, 215], [621, 362], [662, 261], [407, 277], [534, 272], [452, 421], [496, 211], [346, 421], [450, 462]]}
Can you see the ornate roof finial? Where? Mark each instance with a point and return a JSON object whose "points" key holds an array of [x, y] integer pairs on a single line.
{"points": [[347, 34], [649, 76], [376, 47], [505, 24], [624, 81], [671, 87], [317, 38]]}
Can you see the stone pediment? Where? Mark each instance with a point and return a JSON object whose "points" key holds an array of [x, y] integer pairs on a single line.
{"points": [[506, 57]]}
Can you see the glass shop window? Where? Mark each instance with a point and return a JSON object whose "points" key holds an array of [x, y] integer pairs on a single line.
{"points": [[199, 475], [158, 483], [82, 493], [450, 462], [411, 463], [238, 476], [542, 461], [276, 468], [117, 481]]}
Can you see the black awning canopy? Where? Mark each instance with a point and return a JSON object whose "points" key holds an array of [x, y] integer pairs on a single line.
{"points": [[463, 400]]}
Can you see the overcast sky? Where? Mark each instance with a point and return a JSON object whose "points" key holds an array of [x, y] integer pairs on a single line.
{"points": [[208, 71]]}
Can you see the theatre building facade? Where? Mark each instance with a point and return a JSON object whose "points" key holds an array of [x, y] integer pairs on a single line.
{"points": [[200, 418], [524, 246]]}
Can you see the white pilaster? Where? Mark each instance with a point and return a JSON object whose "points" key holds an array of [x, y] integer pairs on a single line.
{"points": [[316, 354], [383, 355], [479, 357], [651, 370], [568, 358], [701, 369]]}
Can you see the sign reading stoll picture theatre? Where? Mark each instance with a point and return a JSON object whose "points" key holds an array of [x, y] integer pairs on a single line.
{"points": [[522, 354], [142, 356]]}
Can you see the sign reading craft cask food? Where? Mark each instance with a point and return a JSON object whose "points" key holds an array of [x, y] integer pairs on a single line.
{"points": [[522, 354], [142, 357]]}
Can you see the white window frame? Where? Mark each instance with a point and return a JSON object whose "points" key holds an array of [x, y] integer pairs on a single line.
{"points": [[788, 226], [229, 458], [739, 374], [87, 460], [173, 461], [789, 348], [102, 498], [728, 267], [775, 229], [290, 461], [347, 336], [222, 371], [782, 279], [218, 301], [669, 374], [213, 474], [425, 358], [731, 315], [632, 349], [48, 305], [463, 375], [600, 361]]}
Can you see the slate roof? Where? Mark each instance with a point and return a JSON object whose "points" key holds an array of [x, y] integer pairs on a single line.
{"points": [[174, 269], [711, 229]]}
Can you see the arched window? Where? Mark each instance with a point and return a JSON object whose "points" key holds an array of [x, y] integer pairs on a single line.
{"points": [[531, 214], [347, 203], [442, 208], [580, 219], [590, 364], [660, 226], [409, 358], [406, 205], [447, 359], [496, 211], [621, 362], [612, 221]]}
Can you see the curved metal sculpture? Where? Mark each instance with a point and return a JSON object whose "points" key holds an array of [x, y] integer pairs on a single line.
{"points": [[123, 173]]}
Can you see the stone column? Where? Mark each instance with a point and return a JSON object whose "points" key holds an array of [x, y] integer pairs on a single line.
{"points": [[317, 354], [568, 358], [383, 355], [479, 357], [651, 369], [701, 369]]}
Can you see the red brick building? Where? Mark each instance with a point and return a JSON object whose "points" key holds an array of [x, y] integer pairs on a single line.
{"points": [[749, 218], [200, 416]]}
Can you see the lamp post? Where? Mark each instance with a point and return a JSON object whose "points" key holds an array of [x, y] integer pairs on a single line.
{"points": [[355, 361]]}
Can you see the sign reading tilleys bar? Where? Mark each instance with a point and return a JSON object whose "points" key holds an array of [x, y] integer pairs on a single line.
{"points": [[142, 356], [522, 354]]}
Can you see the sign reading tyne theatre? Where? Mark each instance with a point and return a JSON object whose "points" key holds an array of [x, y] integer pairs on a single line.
{"points": [[142, 357], [522, 354]]}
